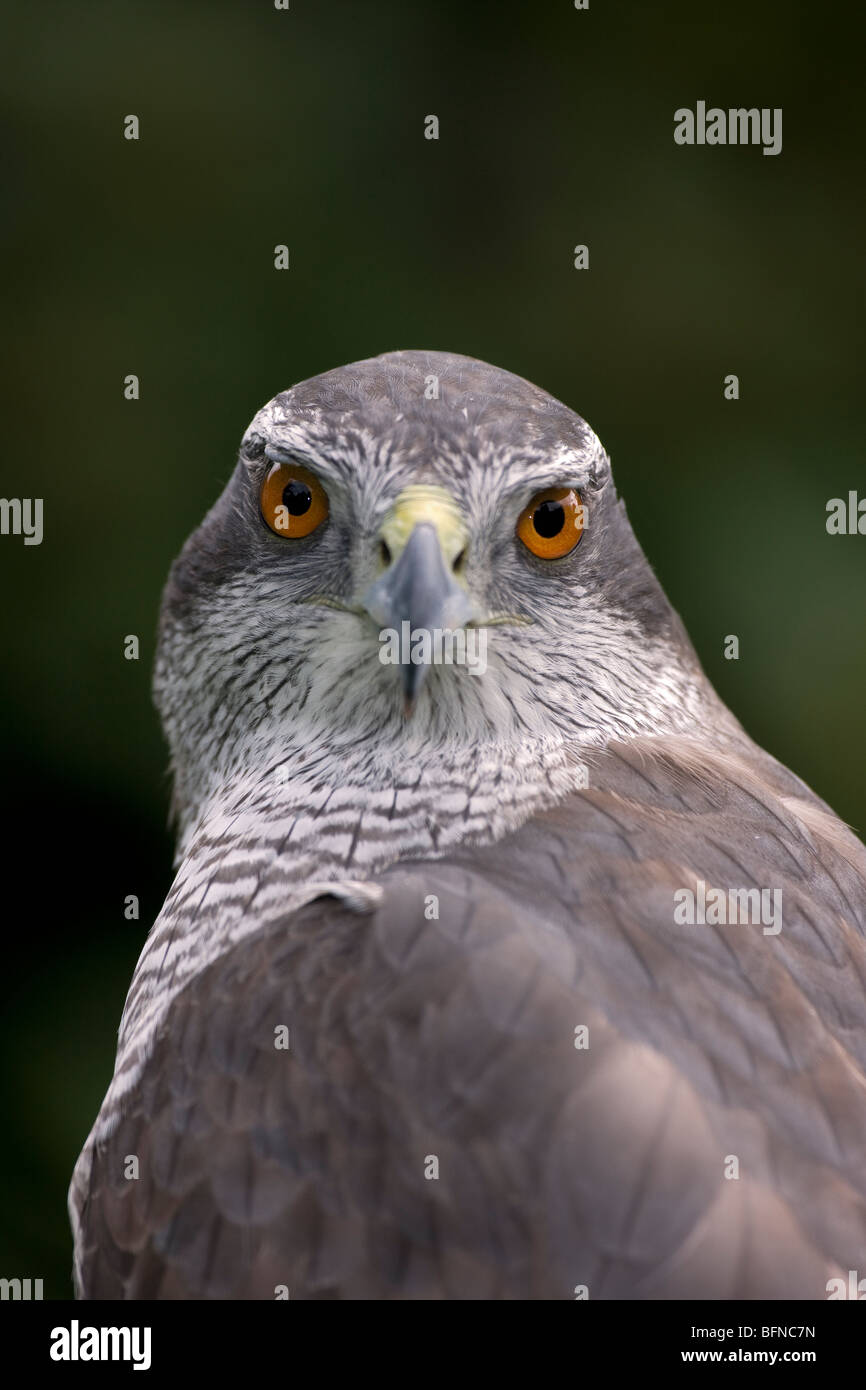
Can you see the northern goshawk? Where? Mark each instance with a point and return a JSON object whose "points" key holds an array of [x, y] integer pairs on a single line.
{"points": [[531, 977]]}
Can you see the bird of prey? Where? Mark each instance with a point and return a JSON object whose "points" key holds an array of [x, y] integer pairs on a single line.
{"points": [[533, 978]]}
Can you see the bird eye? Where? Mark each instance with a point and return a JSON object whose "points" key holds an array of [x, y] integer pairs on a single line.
{"points": [[293, 501], [553, 523]]}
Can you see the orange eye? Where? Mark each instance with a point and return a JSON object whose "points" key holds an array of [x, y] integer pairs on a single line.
{"points": [[553, 522], [293, 502]]}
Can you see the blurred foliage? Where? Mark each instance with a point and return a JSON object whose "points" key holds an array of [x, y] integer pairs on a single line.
{"points": [[306, 127]]}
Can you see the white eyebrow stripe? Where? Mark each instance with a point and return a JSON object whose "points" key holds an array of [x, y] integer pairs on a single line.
{"points": [[345, 457]]}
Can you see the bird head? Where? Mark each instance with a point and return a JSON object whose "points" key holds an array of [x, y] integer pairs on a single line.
{"points": [[417, 551]]}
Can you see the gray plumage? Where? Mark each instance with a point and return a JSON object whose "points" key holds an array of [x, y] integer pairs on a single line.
{"points": [[552, 808]]}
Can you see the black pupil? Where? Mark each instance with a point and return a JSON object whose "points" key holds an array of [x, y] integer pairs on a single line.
{"points": [[297, 498], [548, 519]]}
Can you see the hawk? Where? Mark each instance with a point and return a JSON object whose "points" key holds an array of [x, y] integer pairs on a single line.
{"points": [[533, 978]]}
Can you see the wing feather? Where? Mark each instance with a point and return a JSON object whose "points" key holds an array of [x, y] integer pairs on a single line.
{"points": [[416, 1038]]}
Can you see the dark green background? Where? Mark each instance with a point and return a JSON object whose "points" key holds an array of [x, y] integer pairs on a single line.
{"points": [[156, 257]]}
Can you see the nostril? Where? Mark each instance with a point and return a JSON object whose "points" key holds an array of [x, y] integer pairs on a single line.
{"points": [[384, 553], [460, 561]]}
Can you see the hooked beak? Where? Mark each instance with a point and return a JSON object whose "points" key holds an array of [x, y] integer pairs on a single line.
{"points": [[419, 589]]}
